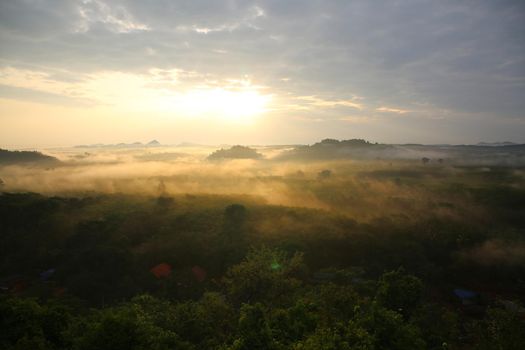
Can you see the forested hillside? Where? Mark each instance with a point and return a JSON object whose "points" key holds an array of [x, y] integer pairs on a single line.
{"points": [[116, 271]]}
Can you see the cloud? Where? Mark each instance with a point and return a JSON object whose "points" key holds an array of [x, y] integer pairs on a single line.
{"points": [[20, 93], [319, 102], [115, 17], [462, 57], [247, 21], [38, 20], [392, 110], [357, 119]]}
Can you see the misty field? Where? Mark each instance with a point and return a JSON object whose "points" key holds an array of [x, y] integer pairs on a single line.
{"points": [[166, 248], [262, 175]]}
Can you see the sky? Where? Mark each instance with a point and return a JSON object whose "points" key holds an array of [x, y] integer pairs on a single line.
{"points": [[261, 72]]}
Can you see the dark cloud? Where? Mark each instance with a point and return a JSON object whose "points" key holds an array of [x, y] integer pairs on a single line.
{"points": [[34, 20]]}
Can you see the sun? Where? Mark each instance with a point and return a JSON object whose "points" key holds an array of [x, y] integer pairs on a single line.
{"points": [[237, 101], [229, 105]]}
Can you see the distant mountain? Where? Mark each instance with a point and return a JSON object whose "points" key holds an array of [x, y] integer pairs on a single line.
{"points": [[335, 149], [24, 157], [153, 143], [505, 153], [235, 152], [128, 145], [496, 144]]}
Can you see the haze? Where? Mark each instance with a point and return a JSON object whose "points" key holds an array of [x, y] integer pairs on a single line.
{"points": [[262, 174]]}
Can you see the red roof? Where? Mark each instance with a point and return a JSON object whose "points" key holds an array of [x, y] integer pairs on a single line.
{"points": [[161, 270], [199, 273]]}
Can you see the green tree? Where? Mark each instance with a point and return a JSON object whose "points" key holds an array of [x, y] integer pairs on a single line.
{"points": [[438, 325], [25, 324], [266, 275], [207, 322], [500, 330], [399, 291], [336, 303], [351, 337], [388, 329], [323, 339], [254, 330], [291, 324], [235, 216], [125, 328]]}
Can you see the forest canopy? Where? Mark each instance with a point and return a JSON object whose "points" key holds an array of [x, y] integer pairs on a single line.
{"points": [[16, 157], [235, 152], [160, 248]]}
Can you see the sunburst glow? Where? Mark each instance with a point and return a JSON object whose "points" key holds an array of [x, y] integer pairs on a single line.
{"points": [[229, 105]]}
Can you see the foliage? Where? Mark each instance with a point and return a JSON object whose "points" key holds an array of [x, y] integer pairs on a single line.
{"points": [[399, 292], [501, 329], [265, 275], [17, 157], [373, 269], [27, 324], [235, 152]]}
